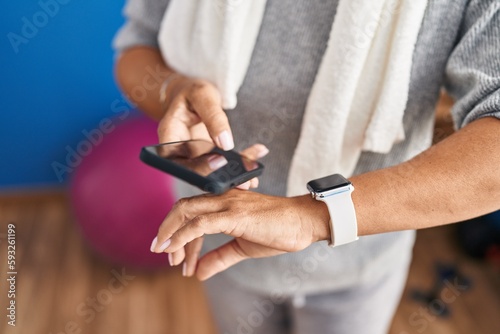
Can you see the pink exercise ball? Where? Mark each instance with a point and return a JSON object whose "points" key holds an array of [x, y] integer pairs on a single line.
{"points": [[118, 201]]}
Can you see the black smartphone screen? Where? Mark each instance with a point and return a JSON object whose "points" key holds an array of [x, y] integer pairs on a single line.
{"points": [[216, 170]]}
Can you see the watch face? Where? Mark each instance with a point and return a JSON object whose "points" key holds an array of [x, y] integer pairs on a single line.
{"points": [[328, 183]]}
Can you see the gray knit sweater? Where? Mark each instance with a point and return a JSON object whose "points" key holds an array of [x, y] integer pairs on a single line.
{"points": [[458, 48]]}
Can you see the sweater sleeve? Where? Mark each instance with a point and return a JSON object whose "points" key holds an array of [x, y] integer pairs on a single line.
{"points": [[472, 74], [142, 23]]}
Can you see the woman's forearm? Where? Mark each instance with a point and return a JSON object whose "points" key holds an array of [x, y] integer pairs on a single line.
{"points": [[455, 180], [140, 72]]}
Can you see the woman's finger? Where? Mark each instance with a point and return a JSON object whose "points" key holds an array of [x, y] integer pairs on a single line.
{"points": [[253, 183], [219, 222], [245, 186], [175, 125], [255, 152], [176, 258], [184, 211], [193, 250], [219, 260], [230, 254], [206, 101]]}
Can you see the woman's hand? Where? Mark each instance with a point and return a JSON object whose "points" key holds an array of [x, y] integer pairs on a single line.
{"points": [[192, 249], [261, 225], [193, 110]]}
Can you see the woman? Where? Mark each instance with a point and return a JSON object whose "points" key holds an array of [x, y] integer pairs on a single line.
{"points": [[313, 288]]}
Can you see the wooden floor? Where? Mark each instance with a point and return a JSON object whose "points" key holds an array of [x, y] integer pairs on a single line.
{"points": [[57, 274]]}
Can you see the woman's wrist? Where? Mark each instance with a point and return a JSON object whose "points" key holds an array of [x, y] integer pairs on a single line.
{"points": [[314, 214], [169, 89]]}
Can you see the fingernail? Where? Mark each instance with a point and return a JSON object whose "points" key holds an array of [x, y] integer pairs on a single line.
{"points": [[170, 261], [184, 269], [244, 186], [153, 244], [263, 151], [216, 161], [164, 246], [226, 140]]}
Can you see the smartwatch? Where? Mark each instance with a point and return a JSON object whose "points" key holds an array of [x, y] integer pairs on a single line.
{"points": [[335, 190]]}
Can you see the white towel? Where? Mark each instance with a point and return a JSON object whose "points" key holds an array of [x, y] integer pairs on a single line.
{"points": [[360, 92], [212, 40]]}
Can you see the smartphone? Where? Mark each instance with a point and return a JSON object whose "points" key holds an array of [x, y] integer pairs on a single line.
{"points": [[202, 164]]}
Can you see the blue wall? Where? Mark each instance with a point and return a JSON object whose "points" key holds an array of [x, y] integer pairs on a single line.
{"points": [[56, 80]]}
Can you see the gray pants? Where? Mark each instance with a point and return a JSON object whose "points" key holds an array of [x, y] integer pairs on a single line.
{"points": [[367, 308]]}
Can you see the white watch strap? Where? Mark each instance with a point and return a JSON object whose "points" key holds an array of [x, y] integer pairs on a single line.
{"points": [[343, 223]]}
